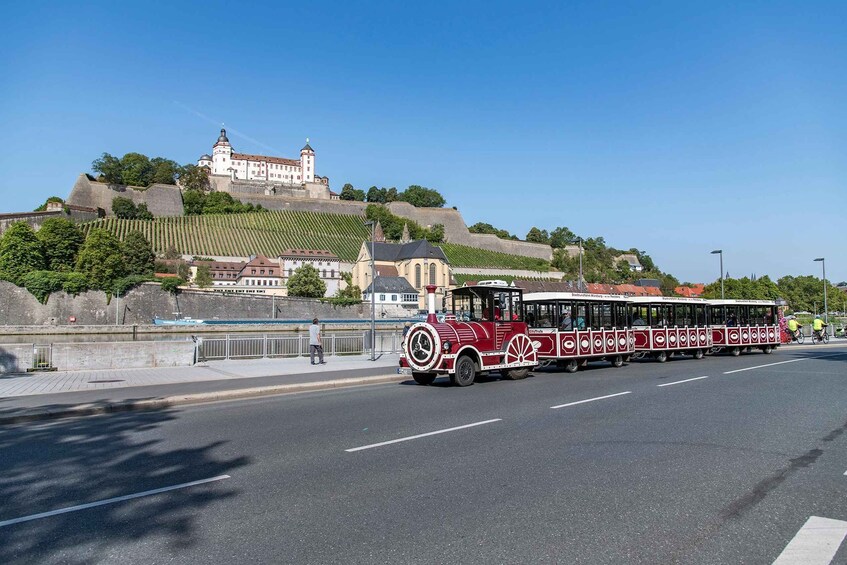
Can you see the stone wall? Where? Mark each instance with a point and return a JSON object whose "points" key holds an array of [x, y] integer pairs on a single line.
{"points": [[517, 273], [456, 231], [18, 307], [17, 358], [35, 219], [161, 199]]}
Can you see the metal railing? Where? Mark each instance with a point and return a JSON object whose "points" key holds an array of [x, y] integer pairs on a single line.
{"points": [[42, 356], [282, 345]]}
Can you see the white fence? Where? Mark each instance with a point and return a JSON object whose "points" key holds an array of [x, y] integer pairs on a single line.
{"points": [[281, 345]]}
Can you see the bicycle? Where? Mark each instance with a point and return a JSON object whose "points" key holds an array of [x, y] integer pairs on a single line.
{"points": [[820, 336], [796, 336]]}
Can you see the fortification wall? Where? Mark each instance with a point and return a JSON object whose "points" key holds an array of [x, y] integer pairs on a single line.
{"points": [[36, 219], [147, 301], [161, 199], [306, 204], [456, 231]]}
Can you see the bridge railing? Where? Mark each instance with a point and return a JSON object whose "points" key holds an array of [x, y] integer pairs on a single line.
{"points": [[283, 345]]}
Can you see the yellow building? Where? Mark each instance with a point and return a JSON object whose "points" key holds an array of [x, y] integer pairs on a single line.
{"points": [[419, 262]]}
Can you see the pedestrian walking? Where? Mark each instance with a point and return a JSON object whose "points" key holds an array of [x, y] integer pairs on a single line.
{"points": [[316, 343], [406, 327]]}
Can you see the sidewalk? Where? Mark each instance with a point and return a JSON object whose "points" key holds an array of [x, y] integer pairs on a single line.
{"points": [[38, 396]]}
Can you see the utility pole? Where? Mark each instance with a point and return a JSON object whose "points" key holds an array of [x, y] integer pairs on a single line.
{"points": [[372, 224], [720, 252], [825, 309], [581, 283]]}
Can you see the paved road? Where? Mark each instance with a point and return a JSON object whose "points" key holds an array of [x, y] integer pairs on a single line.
{"points": [[724, 469]]}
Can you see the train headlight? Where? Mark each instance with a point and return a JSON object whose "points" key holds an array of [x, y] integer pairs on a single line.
{"points": [[447, 346]]}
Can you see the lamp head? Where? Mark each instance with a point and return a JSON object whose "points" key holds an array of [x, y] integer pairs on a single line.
{"points": [[717, 251], [819, 259]]}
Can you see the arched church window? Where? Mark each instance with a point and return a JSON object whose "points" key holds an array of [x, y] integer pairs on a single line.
{"points": [[417, 276]]}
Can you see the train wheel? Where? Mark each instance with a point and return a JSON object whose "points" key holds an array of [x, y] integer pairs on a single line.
{"points": [[735, 351], [515, 374], [767, 350], [424, 378], [617, 361], [583, 363], [698, 353], [465, 372], [571, 365], [662, 356]]}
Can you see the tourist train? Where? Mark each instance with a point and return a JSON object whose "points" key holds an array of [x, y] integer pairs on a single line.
{"points": [[495, 327]]}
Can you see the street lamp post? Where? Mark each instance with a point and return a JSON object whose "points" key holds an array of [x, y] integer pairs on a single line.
{"points": [[581, 284], [372, 224], [825, 309], [720, 252]]}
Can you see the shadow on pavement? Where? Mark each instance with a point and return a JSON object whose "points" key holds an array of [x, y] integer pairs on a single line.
{"points": [[50, 466]]}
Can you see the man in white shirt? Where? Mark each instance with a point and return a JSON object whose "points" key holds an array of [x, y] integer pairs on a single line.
{"points": [[315, 344]]}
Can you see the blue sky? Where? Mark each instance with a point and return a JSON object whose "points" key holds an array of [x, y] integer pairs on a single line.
{"points": [[665, 126]]}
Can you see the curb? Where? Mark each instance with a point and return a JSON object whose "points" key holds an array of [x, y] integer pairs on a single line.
{"points": [[90, 409]]}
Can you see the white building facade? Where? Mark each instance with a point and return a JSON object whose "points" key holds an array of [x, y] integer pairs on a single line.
{"points": [[242, 166], [326, 263]]}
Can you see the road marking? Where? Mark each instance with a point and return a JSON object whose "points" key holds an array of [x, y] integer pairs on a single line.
{"points": [[421, 435], [110, 501], [685, 381], [590, 400], [816, 543], [768, 365]]}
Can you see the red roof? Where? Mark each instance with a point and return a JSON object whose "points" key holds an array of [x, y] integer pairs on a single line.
{"points": [[692, 291], [277, 160]]}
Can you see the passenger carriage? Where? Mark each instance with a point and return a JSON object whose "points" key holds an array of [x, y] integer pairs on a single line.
{"points": [[484, 332], [572, 328], [664, 326], [741, 325]]}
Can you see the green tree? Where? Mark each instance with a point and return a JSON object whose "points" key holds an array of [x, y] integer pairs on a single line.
{"points": [[562, 236], [139, 258], [101, 259], [536, 235], [136, 170], [481, 227], [109, 167], [194, 178], [421, 197], [172, 284], [376, 195], [171, 253], [306, 282], [204, 276], [46, 202], [21, 252], [124, 208], [435, 234], [192, 202], [142, 213], [60, 241], [165, 171], [43, 283], [349, 295], [350, 193]]}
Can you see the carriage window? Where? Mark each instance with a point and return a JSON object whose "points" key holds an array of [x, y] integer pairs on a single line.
{"points": [[601, 316], [544, 315], [621, 315], [661, 315], [580, 315], [504, 306], [717, 315], [565, 321], [638, 315], [700, 314], [684, 315]]}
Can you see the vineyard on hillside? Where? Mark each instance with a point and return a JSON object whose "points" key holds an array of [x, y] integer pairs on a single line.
{"points": [[241, 235], [464, 256], [271, 232]]}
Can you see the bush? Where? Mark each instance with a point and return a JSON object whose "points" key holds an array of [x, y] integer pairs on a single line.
{"points": [[125, 284], [172, 284], [42, 283], [75, 283]]}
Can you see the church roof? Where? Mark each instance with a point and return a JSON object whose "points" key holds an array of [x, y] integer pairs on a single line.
{"points": [[277, 160], [205, 157], [421, 249], [397, 285]]}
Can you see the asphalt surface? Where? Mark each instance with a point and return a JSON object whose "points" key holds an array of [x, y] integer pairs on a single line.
{"points": [[725, 469]]}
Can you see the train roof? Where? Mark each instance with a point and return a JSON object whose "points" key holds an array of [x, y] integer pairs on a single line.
{"points": [[666, 299], [553, 296], [736, 302]]}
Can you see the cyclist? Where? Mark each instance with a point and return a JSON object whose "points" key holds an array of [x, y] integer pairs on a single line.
{"points": [[817, 327], [793, 327]]}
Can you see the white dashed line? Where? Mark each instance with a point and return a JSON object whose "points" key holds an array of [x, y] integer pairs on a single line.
{"points": [[768, 365], [110, 501], [685, 381], [590, 400], [816, 543], [421, 435]]}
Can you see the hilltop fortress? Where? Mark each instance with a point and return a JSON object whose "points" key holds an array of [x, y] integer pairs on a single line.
{"points": [[279, 183]]}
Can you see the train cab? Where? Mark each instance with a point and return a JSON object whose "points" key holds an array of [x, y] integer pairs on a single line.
{"points": [[483, 331], [570, 328], [664, 326], [742, 325]]}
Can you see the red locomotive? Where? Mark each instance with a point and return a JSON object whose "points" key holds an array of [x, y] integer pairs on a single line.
{"points": [[485, 332]]}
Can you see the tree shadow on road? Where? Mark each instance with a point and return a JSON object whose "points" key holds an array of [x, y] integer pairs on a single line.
{"points": [[50, 466]]}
